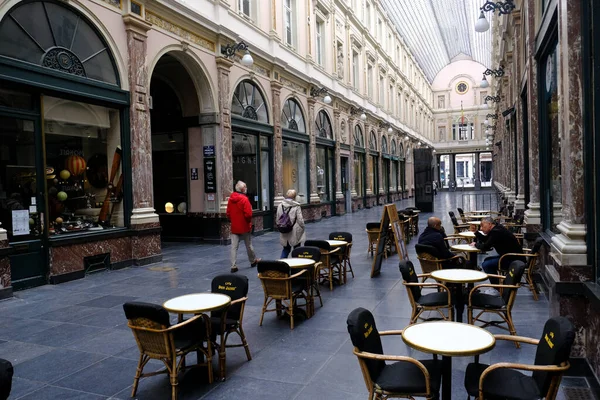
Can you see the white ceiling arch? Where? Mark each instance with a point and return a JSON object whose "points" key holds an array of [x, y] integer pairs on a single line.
{"points": [[438, 32]]}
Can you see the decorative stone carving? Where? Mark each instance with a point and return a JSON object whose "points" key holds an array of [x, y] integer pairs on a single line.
{"points": [[179, 31]]}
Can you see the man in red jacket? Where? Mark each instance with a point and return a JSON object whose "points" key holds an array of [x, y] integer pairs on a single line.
{"points": [[239, 212]]}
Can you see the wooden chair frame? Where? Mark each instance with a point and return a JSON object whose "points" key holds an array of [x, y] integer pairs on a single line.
{"points": [[528, 275], [328, 265], [157, 342], [380, 394], [505, 312], [430, 263], [224, 332], [417, 309], [278, 288], [557, 369], [373, 237]]}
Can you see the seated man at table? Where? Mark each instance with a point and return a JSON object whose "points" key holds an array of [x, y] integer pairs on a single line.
{"points": [[434, 236], [499, 238]]}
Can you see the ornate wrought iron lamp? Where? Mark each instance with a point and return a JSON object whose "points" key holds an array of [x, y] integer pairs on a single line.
{"points": [[316, 92], [503, 7], [230, 50], [356, 111], [386, 125]]}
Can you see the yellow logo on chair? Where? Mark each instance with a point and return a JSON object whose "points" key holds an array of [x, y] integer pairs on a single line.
{"points": [[548, 338], [368, 331]]}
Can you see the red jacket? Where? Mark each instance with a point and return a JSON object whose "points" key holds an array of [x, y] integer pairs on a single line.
{"points": [[239, 212]]}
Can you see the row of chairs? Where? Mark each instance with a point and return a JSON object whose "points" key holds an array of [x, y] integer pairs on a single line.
{"points": [[408, 377]]}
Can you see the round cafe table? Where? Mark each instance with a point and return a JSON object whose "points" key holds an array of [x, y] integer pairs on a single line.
{"points": [[474, 222], [197, 303], [449, 339], [467, 234], [298, 262], [456, 278], [304, 263], [337, 243], [467, 248]]}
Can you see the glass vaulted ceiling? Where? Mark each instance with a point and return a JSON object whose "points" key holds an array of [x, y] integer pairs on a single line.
{"points": [[437, 31]]}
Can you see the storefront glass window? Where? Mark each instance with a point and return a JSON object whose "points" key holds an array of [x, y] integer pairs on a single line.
{"points": [[84, 166], [291, 117], [324, 125], [551, 137], [265, 181], [245, 164], [373, 175], [359, 179], [322, 174], [248, 102], [295, 169]]}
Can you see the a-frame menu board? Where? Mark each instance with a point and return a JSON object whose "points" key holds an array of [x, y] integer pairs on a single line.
{"points": [[389, 218]]}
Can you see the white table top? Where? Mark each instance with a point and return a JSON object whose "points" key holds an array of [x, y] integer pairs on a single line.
{"points": [[459, 275], [297, 262], [197, 303], [467, 234], [473, 222], [478, 212], [464, 247], [448, 338], [337, 243]]}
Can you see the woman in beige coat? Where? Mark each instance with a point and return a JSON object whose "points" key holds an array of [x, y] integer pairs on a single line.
{"points": [[296, 236]]}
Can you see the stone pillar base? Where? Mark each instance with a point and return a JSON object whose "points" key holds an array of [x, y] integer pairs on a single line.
{"points": [[532, 214], [314, 198], [277, 201], [569, 247], [339, 196], [520, 202], [144, 216]]}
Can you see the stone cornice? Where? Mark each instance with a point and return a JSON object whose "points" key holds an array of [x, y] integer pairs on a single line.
{"points": [[136, 24]]}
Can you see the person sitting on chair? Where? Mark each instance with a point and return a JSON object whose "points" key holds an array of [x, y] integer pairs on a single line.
{"points": [[496, 236], [434, 236]]}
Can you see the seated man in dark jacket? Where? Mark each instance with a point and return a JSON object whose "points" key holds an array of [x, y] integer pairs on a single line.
{"points": [[434, 236], [502, 240]]}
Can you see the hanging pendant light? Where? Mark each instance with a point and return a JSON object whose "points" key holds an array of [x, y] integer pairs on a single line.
{"points": [[482, 24], [484, 83]]}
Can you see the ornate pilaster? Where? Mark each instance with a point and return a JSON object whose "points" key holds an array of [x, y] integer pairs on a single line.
{"points": [[141, 142], [338, 162], [370, 179], [312, 151], [351, 177], [224, 156], [277, 143], [379, 176]]}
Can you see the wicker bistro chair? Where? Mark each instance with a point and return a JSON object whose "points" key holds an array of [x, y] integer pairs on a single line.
{"points": [[458, 228], [435, 301], [373, 230], [462, 215], [405, 377], [504, 381], [347, 237], [313, 253], [531, 256], [6, 376], [501, 305], [225, 322], [330, 262], [429, 260], [405, 222], [280, 287], [158, 339]]}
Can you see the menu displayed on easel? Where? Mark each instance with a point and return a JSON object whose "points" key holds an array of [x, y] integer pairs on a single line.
{"points": [[388, 219]]}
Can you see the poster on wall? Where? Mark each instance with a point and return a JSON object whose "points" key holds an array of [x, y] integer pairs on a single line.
{"points": [[210, 176], [20, 222]]}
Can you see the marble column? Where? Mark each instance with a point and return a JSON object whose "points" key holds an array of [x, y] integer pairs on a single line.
{"points": [[569, 247], [339, 196], [5, 271], [351, 178], [477, 172], [452, 171], [380, 170], [370, 182], [532, 214], [143, 214], [277, 143], [312, 150], [224, 142]]}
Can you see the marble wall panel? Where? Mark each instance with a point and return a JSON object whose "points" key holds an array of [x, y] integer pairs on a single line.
{"points": [[145, 246], [5, 275], [65, 259]]}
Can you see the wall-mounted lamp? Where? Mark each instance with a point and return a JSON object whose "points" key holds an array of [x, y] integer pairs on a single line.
{"points": [[386, 125], [493, 116], [316, 92], [493, 72], [355, 111], [230, 50], [495, 99], [406, 137], [503, 7]]}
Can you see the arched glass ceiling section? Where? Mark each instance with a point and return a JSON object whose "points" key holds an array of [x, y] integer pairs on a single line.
{"points": [[438, 31], [291, 116], [359, 140], [248, 102], [324, 125], [54, 36]]}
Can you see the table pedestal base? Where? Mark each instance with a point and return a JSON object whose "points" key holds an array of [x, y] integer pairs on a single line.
{"points": [[446, 378]]}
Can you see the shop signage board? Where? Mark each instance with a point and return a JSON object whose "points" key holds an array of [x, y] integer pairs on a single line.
{"points": [[210, 176], [209, 151], [389, 218], [194, 174]]}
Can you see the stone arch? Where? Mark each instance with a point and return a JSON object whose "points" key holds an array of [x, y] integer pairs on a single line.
{"points": [[263, 91]]}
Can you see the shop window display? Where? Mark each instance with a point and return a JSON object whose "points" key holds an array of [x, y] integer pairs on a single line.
{"points": [[295, 170], [324, 174], [246, 168], [84, 178], [359, 179]]}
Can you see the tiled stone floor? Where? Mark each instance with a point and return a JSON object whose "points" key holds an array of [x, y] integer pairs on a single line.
{"points": [[71, 341]]}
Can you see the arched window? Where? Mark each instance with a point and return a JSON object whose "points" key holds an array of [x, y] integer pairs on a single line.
{"points": [[324, 125], [359, 140], [373, 141], [55, 36], [248, 102], [291, 116], [384, 145], [401, 150], [393, 147]]}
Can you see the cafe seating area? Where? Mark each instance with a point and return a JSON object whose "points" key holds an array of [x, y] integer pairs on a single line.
{"points": [[186, 328]]}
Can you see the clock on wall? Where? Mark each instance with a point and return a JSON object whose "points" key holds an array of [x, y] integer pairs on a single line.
{"points": [[462, 87]]}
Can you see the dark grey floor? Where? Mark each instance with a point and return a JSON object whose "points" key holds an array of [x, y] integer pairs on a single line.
{"points": [[71, 341]]}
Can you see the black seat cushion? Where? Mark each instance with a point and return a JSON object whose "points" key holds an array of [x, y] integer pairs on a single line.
{"points": [[484, 300], [234, 286], [434, 299], [501, 383], [6, 375], [405, 377], [153, 312], [215, 324], [190, 334]]}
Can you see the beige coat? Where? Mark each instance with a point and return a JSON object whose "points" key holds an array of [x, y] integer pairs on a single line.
{"points": [[296, 235]]}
